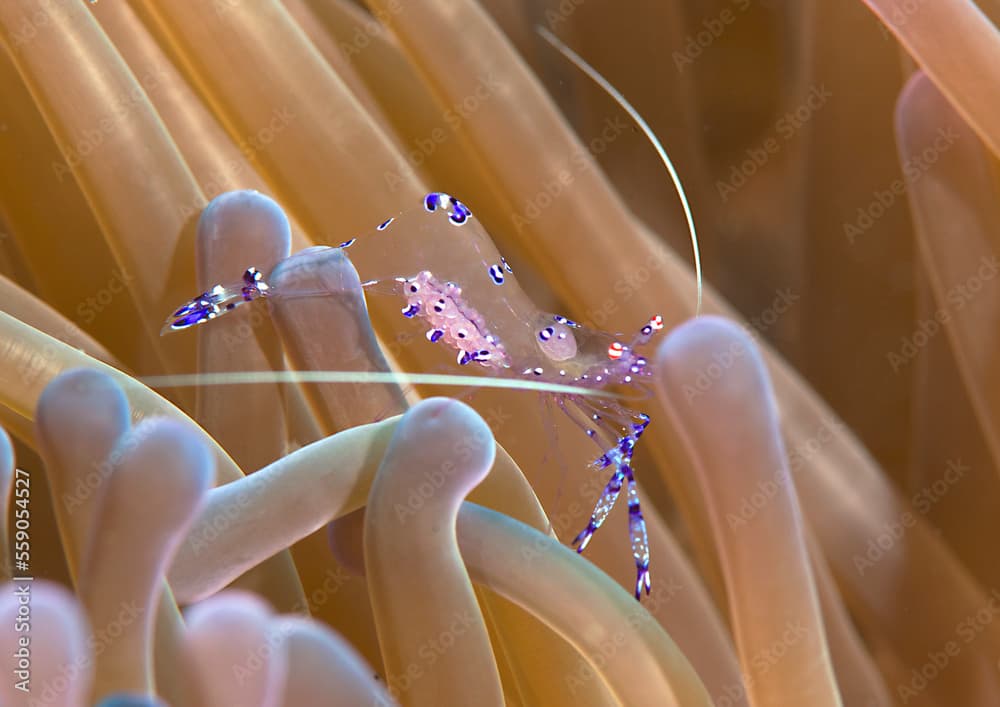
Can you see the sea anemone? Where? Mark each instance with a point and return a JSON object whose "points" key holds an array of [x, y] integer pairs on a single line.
{"points": [[816, 479]]}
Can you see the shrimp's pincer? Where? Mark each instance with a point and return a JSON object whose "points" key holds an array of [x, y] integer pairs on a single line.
{"points": [[217, 301]]}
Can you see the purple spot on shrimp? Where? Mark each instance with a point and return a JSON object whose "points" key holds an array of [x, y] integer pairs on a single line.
{"points": [[459, 213], [546, 333], [411, 311], [253, 285], [432, 201], [434, 335], [347, 244], [251, 276], [496, 274], [385, 224], [191, 306], [191, 319], [506, 266], [464, 357]]}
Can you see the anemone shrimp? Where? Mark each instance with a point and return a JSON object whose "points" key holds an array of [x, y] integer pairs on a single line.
{"points": [[471, 303]]}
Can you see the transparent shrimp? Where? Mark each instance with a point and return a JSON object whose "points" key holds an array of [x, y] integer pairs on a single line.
{"points": [[471, 304]]}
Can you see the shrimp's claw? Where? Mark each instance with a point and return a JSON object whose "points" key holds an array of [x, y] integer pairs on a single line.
{"points": [[195, 311], [217, 301]]}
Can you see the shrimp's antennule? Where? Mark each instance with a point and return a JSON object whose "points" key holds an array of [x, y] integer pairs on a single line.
{"points": [[592, 73]]}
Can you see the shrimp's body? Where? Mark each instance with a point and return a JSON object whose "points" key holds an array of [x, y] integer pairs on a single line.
{"points": [[460, 302]]}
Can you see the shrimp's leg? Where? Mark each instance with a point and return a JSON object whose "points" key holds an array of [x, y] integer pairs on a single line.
{"points": [[637, 531], [604, 505], [217, 301], [620, 456]]}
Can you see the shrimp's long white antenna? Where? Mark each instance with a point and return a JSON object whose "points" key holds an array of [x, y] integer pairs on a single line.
{"points": [[650, 135], [256, 377]]}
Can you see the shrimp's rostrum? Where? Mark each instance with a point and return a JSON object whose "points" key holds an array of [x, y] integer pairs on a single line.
{"points": [[472, 304]]}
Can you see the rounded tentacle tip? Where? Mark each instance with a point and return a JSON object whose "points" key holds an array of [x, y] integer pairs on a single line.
{"points": [[697, 331]]}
